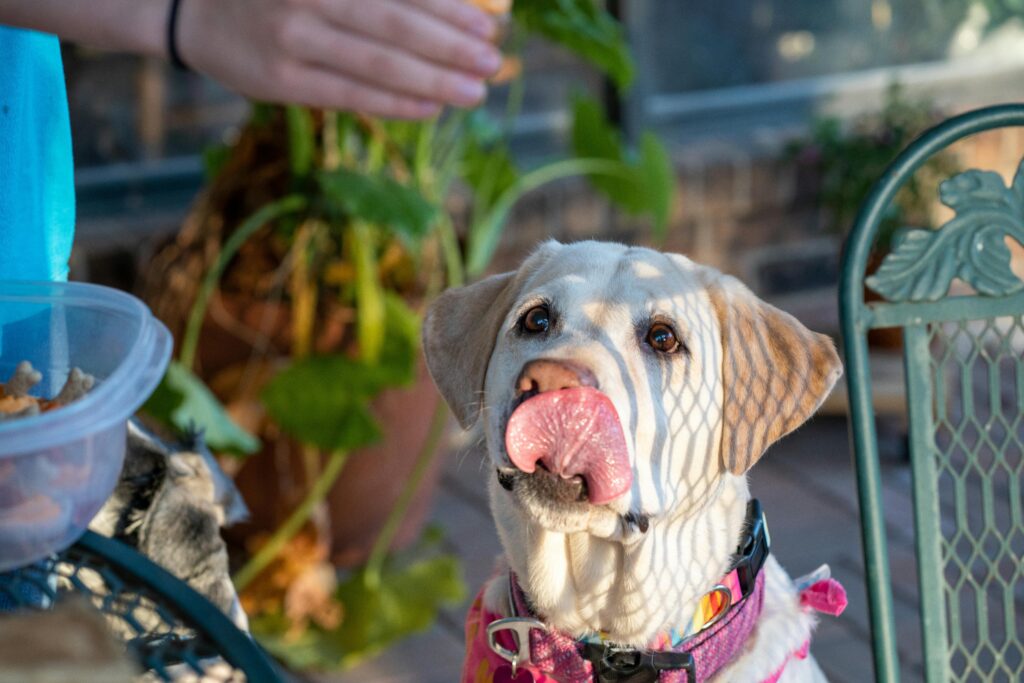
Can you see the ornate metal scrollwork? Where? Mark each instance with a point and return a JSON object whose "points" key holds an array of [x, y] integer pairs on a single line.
{"points": [[970, 246]]}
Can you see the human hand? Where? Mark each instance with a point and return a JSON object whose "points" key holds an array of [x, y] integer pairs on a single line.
{"points": [[391, 58]]}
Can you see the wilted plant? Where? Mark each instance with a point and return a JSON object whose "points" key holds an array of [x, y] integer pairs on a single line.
{"points": [[345, 221]]}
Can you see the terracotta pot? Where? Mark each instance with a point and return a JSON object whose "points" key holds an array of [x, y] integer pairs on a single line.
{"points": [[274, 480]]}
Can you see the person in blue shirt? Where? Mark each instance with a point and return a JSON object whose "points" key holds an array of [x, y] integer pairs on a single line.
{"points": [[391, 58]]}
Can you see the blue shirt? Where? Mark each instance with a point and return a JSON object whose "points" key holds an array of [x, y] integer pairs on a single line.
{"points": [[37, 194]]}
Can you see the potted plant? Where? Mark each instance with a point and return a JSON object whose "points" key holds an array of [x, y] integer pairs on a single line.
{"points": [[296, 287], [845, 161]]}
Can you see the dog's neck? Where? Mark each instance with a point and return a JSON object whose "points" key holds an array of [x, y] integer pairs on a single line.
{"points": [[580, 583]]}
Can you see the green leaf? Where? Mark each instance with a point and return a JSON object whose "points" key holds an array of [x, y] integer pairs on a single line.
{"points": [[325, 400], [400, 352], [314, 649], [377, 199], [301, 140], [657, 181], [183, 401], [489, 170], [583, 27], [407, 600], [592, 135], [646, 184], [481, 127]]}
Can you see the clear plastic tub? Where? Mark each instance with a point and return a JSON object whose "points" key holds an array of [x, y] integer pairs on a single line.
{"points": [[58, 468]]}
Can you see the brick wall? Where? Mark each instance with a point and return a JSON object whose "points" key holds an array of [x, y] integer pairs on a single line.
{"points": [[750, 213], [733, 212]]}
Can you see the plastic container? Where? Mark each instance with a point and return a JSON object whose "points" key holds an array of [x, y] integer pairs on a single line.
{"points": [[58, 468]]}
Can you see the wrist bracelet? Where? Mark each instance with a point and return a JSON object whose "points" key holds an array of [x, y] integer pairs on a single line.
{"points": [[172, 37]]}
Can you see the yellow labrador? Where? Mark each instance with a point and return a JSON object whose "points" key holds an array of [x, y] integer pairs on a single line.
{"points": [[623, 394]]}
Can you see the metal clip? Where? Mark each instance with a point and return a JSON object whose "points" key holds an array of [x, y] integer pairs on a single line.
{"points": [[520, 627], [727, 605]]}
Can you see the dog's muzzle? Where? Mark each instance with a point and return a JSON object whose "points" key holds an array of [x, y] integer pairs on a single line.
{"points": [[568, 432]]}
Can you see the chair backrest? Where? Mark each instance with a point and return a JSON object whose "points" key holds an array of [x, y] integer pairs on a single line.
{"points": [[963, 356]]}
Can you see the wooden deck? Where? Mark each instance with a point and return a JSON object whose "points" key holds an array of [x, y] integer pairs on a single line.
{"points": [[806, 483]]}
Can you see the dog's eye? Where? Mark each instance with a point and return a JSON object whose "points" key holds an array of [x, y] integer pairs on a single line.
{"points": [[662, 338], [536, 321]]}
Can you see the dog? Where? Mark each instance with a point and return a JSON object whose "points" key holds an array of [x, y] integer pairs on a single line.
{"points": [[623, 394]]}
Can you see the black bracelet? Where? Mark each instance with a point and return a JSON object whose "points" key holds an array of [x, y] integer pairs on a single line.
{"points": [[172, 37]]}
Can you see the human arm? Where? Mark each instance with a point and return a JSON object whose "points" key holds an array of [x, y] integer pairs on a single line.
{"points": [[395, 58]]}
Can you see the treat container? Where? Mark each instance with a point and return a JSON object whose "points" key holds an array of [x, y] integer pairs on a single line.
{"points": [[58, 468]]}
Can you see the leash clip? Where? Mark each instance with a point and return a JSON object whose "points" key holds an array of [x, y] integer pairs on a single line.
{"points": [[726, 605], [520, 628]]}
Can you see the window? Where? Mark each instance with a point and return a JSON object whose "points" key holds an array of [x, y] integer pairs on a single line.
{"points": [[714, 68]]}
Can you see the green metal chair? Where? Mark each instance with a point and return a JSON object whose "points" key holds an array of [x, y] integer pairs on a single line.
{"points": [[963, 361]]}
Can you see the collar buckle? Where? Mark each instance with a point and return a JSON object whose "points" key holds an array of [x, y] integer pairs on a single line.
{"points": [[520, 628], [615, 664], [756, 546]]}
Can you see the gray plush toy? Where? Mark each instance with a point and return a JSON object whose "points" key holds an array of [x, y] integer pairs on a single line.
{"points": [[169, 504]]}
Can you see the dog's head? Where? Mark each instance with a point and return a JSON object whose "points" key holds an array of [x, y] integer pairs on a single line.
{"points": [[616, 384]]}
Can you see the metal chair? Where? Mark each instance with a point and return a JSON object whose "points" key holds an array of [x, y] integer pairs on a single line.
{"points": [[963, 363], [169, 629]]}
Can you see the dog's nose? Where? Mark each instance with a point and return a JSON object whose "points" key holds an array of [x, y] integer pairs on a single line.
{"points": [[545, 374]]}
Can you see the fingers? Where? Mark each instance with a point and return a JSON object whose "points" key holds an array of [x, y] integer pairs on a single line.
{"points": [[378, 65], [315, 86], [462, 14], [391, 58], [409, 28]]}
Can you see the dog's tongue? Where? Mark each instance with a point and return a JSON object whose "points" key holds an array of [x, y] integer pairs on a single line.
{"points": [[572, 432]]}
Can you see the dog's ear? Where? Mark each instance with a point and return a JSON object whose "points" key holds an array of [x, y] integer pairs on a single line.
{"points": [[458, 337], [461, 328], [775, 372]]}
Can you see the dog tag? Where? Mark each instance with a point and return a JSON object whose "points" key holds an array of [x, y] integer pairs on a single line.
{"points": [[504, 675]]}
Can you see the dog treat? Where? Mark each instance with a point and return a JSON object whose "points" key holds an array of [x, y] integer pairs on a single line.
{"points": [[16, 402], [493, 6], [24, 378]]}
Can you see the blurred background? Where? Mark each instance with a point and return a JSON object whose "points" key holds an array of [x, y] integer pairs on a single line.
{"points": [[772, 119], [727, 84]]}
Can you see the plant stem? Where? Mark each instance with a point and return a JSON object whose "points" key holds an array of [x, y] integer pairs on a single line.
{"points": [[291, 526], [304, 290], [331, 141], [452, 256], [422, 171], [264, 215], [517, 88], [375, 563], [371, 321], [448, 139], [485, 233]]}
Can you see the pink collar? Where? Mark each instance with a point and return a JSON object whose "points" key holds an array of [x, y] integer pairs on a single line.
{"points": [[521, 649], [552, 656], [557, 658], [691, 653]]}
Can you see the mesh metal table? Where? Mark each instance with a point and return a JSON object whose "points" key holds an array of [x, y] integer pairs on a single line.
{"points": [[170, 630]]}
